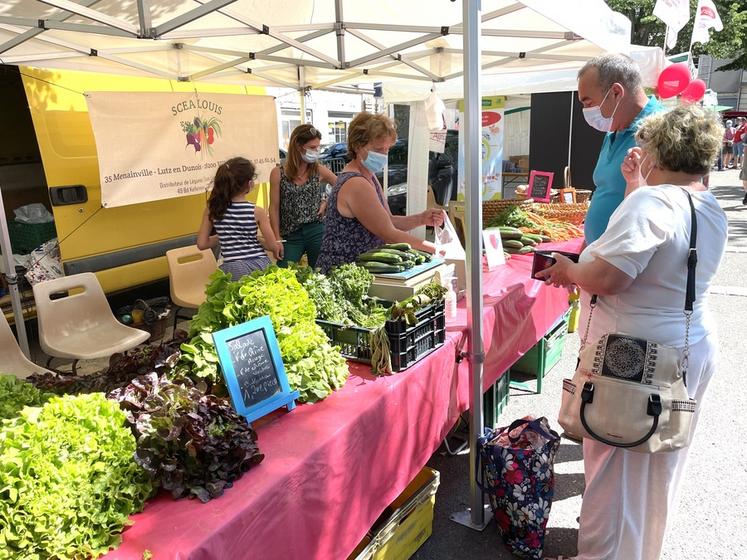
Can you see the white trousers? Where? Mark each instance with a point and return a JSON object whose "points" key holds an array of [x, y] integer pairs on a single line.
{"points": [[630, 498]]}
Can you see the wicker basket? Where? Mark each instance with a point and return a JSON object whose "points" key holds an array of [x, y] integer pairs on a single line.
{"points": [[583, 195], [491, 208], [563, 212]]}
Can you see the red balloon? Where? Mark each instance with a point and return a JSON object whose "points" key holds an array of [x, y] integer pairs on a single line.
{"points": [[693, 92], [673, 80]]}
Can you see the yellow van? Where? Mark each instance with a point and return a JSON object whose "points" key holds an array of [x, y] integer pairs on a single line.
{"points": [[48, 155]]}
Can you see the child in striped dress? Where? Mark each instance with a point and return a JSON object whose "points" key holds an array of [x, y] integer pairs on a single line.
{"points": [[236, 221]]}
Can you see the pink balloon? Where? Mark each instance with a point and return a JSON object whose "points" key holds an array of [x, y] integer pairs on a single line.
{"points": [[673, 80], [693, 92]]}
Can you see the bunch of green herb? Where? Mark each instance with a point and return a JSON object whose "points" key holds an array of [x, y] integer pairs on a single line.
{"points": [[16, 393], [342, 296], [407, 309], [190, 443], [68, 480], [513, 217], [276, 292]]}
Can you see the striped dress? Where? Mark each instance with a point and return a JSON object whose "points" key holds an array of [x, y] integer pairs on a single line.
{"points": [[237, 231]]}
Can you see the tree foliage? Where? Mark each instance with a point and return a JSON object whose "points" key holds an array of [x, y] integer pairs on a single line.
{"points": [[730, 43]]}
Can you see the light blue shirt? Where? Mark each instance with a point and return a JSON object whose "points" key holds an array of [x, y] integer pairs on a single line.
{"points": [[609, 181]]}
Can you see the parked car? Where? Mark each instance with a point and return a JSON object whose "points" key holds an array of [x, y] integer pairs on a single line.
{"points": [[442, 170]]}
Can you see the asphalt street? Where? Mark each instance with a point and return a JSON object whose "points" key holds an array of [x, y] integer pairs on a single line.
{"points": [[711, 520]]}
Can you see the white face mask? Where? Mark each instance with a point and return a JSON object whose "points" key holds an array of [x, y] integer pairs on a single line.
{"points": [[643, 181], [310, 156], [594, 117]]}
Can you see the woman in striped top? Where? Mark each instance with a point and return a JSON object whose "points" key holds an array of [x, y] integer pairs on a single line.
{"points": [[236, 221]]}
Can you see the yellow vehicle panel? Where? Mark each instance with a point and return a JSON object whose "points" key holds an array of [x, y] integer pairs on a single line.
{"points": [[68, 151]]}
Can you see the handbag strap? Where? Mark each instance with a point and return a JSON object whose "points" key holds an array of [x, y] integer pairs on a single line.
{"points": [[692, 263]]}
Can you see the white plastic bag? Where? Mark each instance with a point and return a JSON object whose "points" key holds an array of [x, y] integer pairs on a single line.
{"points": [[447, 241], [35, 213]]}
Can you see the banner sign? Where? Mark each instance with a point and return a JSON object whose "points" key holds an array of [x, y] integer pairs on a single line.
{"points": [[492, 148], [154, 146]]}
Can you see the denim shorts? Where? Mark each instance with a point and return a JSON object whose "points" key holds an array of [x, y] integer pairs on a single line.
{"points": [[738, 149]]}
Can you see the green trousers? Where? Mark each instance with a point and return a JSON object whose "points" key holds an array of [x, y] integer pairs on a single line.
{"points": [[306, 239]]}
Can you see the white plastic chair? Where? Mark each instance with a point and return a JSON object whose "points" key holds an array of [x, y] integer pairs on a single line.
{"points": [[189, 270], [12, 360], [78, 323]]}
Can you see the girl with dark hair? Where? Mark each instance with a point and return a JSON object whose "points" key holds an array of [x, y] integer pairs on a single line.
{"points": [[298, 199], [236, 221]]}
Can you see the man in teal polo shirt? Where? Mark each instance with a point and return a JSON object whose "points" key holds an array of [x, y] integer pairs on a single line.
{"points": [[610, 89]]}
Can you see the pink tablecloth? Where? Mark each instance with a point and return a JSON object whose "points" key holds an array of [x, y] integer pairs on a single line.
{"points": [[331, 468]]}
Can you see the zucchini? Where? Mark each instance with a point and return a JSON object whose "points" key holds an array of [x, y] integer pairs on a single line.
{"points": [[398, 246], [380, 267], [426, 256], [526, 249], [380, 257], [528, 241], [512, 250], [510, 233], [545, 239], [404, 255], [534, 237], [512, 244]]}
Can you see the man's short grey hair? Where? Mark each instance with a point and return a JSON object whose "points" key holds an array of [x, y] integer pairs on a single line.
{"points": [[615, 68]]}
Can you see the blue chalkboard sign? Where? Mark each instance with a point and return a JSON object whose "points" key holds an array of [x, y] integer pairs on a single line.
{"points": [[249, 357]]}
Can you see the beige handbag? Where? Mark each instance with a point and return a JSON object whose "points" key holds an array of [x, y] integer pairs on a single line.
{"points": [[631, 393]]}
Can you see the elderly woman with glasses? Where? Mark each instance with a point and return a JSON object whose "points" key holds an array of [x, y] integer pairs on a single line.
{"points": [[638, 267], [298, 197]]}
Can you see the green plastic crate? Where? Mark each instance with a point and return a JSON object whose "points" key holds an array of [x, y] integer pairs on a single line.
{"points": [[495, 399], [24, 237], [544, 355]]}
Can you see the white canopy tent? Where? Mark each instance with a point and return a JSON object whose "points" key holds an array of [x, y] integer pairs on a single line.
{"points": [[466, 48]]}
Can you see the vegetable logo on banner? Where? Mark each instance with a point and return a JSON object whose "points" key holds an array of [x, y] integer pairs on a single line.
{"points": [[201, 134], [155, 146], [491, 146]]}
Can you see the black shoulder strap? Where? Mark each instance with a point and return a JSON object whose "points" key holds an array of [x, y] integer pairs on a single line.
{"points": [[692, 256], [692, 259]]}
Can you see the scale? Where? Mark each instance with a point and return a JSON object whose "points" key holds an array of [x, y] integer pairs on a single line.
{"points": [[401, 285]]}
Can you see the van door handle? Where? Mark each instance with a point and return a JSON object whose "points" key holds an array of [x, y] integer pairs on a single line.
{"points": [[70, 194]]}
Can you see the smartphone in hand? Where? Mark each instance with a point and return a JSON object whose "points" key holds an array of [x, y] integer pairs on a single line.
{"points": [[544, 259]]}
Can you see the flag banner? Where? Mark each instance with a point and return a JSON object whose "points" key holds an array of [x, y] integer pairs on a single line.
{"points": [[706, 17], [675, 14]]}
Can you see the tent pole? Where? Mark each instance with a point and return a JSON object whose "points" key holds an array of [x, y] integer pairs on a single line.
{"points": [[10, 275], [567, 174], [475, 517], [302, 92]]}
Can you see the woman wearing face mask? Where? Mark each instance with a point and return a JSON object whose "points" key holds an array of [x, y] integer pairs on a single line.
{"points": [[638, 268], [358, 217], [298, 199]]}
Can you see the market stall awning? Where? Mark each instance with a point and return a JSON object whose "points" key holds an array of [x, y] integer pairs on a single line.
{"points": [[310, 43]]}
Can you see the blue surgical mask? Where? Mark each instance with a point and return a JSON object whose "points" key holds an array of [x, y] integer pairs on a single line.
{"points": [[310, 156], [595, 119], [375, 161]]}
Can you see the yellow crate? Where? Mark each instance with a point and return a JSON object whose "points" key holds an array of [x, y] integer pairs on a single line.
{"points": [[407, 522]]}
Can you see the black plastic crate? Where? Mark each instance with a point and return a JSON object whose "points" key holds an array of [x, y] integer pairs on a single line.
{"points": [[407, 344]]}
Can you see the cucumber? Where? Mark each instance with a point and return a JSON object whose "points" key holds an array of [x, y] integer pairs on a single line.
{"points": [[380, 257], [512, 250], [545, 239], [528, 241], [510, 233], [398, 246], [534, 237], [512, 243], [380, 267], [526, 249], [426, 256]]}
